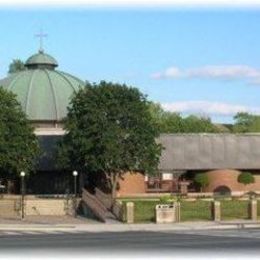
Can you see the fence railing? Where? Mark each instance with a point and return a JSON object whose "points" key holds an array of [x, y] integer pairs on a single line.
{"points": [[104, 198], [118, 210], [94, 205]]}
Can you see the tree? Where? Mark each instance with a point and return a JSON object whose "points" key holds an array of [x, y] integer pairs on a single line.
{"points": [[16, 66], [245, 122], [202, 180], [195, 124], [172, 122], [110, 130], [245, 178], [18, 145]]}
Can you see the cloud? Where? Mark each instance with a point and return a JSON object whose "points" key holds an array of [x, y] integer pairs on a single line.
{"points": [[223, 72], [208, 108], [172, 72]]}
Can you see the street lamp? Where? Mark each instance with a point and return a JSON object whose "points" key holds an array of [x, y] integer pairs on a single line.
{"points": [[75, 174], [22, 174]]}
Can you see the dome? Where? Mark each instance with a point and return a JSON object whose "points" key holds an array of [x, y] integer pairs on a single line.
{"points": [[43, 92], [41, 58]]}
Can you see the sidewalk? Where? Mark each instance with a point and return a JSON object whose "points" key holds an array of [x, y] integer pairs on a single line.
{"points": [[100, 227]]}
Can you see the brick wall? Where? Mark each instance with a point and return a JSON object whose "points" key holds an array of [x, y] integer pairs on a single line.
{"points": [[131, 183], [228, 178]]}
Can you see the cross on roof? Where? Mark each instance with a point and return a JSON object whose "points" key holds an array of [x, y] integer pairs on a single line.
{"points": [[41, 35]]}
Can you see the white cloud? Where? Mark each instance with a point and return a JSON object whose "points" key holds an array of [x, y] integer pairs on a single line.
{"points": [[172, 72], [208, 108], [224, 72]]}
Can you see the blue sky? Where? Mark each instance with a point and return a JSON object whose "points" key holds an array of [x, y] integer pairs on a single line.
{"points": [[191, 61]]}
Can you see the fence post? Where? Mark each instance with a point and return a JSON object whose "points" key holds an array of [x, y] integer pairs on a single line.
{"points": [[129, 212], [177, 211], [216, 210], [253, 209]]}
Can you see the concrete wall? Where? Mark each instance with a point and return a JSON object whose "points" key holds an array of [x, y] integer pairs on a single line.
{"points": [[56, 207]]}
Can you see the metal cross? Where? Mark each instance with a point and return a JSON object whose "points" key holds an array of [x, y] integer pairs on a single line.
{"points": [[41, 35]]}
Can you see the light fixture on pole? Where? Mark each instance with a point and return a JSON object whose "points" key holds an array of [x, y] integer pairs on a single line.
{"points": [[22, 174], [75, 174]]}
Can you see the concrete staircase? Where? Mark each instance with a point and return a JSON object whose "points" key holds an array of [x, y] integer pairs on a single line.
{"points": [[95, 206]]}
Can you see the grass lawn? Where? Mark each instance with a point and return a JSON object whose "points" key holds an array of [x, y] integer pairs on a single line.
{"points": [[195, 210], [190, 210], [234, 209], [199, 210], [144, 210]]}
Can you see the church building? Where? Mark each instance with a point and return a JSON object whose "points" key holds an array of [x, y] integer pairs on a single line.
{"points": [[44, 93]]}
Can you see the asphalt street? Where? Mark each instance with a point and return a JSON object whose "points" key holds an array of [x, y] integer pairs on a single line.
{"points": [[218, 241]]}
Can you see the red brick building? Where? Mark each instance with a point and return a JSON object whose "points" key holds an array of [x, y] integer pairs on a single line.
{"points": [[221, 156]]}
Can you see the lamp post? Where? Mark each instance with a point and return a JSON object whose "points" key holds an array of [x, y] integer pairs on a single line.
{"points": [[75, 174], [22, 174]]}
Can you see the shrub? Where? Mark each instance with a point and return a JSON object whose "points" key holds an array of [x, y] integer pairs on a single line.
{"points": [[202, 180], [245, 178], [165, 199]]}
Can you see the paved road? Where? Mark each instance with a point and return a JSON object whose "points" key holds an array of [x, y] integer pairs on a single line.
{"points": [[218, 241]]}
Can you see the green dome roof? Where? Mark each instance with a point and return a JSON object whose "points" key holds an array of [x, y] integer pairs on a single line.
{"points": [[41, 58], [43, 92]]}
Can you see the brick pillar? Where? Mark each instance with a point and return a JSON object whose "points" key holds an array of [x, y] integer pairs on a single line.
{"points": [[253, 210], [183, 186], [129, 212], [216, 210]]}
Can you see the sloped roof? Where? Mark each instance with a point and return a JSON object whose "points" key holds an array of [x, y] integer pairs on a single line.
{"points": [[210, 151]]}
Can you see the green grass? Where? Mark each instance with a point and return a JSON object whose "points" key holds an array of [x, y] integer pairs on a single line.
{"points": [[144, 210], [234, 209], [198, 210], [195, 210], [138, 199]]}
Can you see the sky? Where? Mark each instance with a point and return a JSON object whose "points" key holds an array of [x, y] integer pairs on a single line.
{"points": [[192, 61]]}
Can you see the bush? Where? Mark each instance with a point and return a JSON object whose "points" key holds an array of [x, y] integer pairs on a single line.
{"points": [[245, 178], [165, 199], [202, 180]]}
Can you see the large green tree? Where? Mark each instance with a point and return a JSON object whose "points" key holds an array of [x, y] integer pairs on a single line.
{"points": [[110, 130], [245, 122], [172, 122], [18, 145], [15, 66]]}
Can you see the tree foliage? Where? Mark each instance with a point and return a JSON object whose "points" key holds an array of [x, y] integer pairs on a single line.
{"points": [[172, 122], [110, 130], [18, 144], [245, 122], [16, 66], [245, 178], [202, 180]]}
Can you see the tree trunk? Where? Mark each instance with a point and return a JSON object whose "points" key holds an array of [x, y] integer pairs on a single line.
{"points": [[114, 182]]}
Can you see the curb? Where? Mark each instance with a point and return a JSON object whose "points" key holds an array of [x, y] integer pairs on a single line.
{"points": [[97, 228]]}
